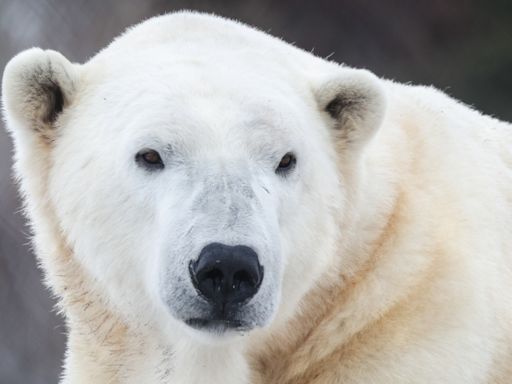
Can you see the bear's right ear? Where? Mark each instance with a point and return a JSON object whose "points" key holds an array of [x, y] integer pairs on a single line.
{"points": [[37, 86]]}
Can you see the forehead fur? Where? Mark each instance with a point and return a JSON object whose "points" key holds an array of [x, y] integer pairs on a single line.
{"points": [[199, 37]]}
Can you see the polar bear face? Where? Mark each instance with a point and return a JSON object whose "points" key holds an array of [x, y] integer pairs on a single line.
{"points": [[198, 196]]}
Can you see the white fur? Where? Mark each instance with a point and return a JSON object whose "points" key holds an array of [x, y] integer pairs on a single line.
{"points": [[222, 103]]}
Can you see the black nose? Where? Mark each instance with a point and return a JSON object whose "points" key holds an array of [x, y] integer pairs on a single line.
{"points": [[226, 274]]}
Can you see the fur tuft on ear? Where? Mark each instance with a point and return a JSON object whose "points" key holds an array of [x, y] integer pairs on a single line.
{"points": [[37, 86], [355, 102]]}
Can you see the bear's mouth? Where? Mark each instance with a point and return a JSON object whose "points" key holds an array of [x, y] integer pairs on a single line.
{"points": [[217, 325]]}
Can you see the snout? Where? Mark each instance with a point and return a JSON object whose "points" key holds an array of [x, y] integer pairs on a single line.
{"points": [[227, 291], [226, 275], [221, 272]]}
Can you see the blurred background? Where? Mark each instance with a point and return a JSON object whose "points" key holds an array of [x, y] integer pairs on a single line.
{"points": [[462, 47]]}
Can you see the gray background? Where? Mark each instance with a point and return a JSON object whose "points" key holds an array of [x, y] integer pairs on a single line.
{"points": [[462, 47]]}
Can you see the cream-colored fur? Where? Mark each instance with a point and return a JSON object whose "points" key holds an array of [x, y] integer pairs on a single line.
{"points": [[397, 264]]}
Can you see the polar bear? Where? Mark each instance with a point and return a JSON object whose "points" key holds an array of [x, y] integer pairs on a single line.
{"points": [[213, 205]]}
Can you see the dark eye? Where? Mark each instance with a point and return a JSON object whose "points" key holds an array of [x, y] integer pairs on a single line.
{"points": [[286, 164], [149, 159]]}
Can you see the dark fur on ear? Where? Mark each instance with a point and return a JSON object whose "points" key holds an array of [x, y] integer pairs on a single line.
{"points": [[355, 102], [37, 86]]}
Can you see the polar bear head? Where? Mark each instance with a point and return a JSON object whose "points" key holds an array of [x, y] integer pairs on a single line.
{"points": [[199, 170]]}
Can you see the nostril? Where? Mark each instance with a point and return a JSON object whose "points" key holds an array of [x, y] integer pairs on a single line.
{"points": [[212, 279], [243, 277]]}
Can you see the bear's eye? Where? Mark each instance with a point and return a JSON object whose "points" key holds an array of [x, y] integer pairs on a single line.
{"points": [[149, 159], [286, 164]]}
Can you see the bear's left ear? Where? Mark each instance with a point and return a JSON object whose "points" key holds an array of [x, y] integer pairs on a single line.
{"points": [[37, 86], [354, 102]]}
